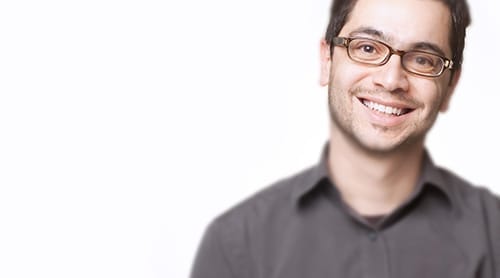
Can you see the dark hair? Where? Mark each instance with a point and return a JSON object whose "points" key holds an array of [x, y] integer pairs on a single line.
{"points": [[460, 19]]}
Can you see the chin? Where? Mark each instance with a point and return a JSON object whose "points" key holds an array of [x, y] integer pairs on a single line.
{"points": [[389, 145]]}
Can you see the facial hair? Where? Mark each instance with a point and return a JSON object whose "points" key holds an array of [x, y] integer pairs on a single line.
{"points": [[344, 121]]}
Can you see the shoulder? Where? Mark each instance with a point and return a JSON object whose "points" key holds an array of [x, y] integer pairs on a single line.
{"points": [[476, 217], [274, 200], [249, 226], [466, 193]]}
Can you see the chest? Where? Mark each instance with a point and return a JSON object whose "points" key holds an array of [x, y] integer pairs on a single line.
{"points": [[413, 248]]}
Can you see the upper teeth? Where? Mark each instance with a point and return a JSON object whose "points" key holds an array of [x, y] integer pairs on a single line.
{"points": [[382, 108]]}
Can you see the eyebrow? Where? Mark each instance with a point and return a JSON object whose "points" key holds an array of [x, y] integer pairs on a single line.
{"points": [[428, 46], [388, 39], [371, 32]]}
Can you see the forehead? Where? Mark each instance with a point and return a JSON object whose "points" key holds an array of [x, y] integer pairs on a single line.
{"points": [[403, 22]]}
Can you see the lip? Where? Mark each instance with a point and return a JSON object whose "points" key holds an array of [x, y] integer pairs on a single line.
{"points": [[382, 119], [395, 104]]}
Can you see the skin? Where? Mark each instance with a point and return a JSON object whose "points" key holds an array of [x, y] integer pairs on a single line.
{"points": [[375, 158]]}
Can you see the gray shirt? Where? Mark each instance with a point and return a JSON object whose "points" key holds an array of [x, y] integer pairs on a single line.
{"points": [[300, 227]]}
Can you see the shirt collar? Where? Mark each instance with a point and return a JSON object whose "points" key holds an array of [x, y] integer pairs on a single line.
{"points": [[313, 177], [434, 176], [431, 176]]}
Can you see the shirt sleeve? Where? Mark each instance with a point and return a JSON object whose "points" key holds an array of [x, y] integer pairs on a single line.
{"points": [[495, 231], [492, 206]]}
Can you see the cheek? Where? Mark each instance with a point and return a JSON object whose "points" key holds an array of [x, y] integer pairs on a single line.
{"points": [[345, 75], [431, 94], [438, 91]]}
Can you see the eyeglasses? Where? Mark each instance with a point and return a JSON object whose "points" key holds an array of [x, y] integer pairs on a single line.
{"points": [[373, 52]]}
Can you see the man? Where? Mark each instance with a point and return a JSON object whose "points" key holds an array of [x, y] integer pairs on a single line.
{"points": [[375, 205]]}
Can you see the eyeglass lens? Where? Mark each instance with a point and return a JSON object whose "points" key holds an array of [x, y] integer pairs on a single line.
{"points": [[376, 53]]}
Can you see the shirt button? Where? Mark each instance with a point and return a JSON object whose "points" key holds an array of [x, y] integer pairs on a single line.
{"points": [[373, 236]]}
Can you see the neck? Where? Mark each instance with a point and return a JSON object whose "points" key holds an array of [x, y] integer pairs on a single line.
{"points": [[373, 183]]}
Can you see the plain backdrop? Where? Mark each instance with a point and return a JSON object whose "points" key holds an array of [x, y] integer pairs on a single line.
{"points": [[126, 126]]}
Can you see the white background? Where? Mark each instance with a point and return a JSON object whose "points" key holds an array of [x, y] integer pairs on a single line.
{"points": [[126, 126]]}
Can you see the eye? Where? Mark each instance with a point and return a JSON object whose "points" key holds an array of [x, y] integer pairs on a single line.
{"points": [[425, 61], [422, 62], [367, 48]]}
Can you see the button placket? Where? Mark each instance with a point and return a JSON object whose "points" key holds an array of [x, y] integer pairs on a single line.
{"points": [[374, 255], [373, 235]]}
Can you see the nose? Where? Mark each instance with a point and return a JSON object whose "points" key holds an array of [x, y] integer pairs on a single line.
{"points": [[391, 76]]}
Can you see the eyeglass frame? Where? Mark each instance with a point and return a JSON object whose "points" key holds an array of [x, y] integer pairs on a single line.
{"points": [[345, 41]]}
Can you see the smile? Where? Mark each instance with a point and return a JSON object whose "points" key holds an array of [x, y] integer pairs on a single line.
{"points": [[388, 110]]}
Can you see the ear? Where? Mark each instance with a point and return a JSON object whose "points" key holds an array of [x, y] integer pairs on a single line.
{"points": [[325, 62], [451, 89]]}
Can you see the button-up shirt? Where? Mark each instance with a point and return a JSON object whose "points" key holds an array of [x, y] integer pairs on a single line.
{"points": [[300, 227]]}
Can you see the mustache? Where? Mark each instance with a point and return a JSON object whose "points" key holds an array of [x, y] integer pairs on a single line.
{"points": [[384, 94]]}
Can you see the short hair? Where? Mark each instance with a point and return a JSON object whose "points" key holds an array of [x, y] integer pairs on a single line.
{"points": [[460, 19]]}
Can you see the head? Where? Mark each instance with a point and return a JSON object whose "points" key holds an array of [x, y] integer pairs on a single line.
{"points": [[385, 107]]}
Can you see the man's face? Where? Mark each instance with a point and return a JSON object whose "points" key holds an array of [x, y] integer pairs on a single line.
{"points": [[357, 92]]}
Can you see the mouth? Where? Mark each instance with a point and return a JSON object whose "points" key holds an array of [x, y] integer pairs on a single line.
{"points": [[385, 109]]}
